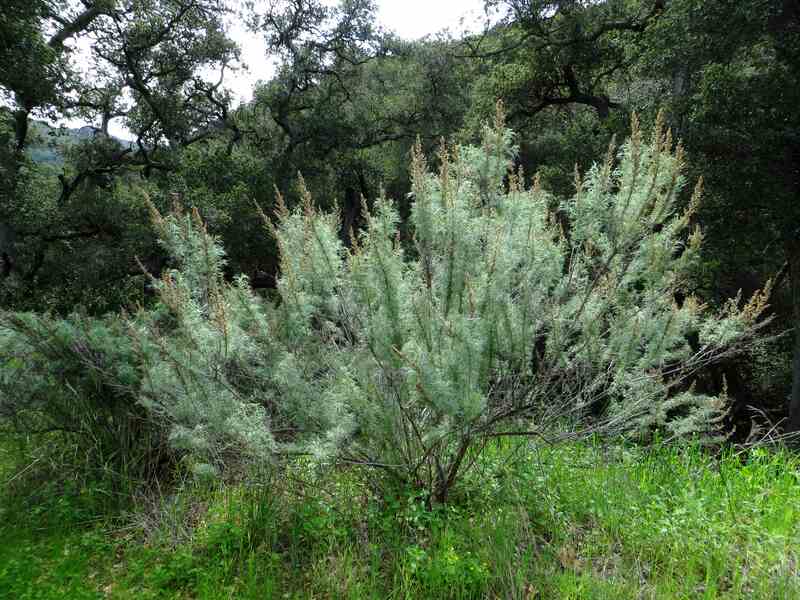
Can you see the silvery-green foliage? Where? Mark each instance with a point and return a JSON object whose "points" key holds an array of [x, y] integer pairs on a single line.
{"points": [[509, 312], [506, 315], [204, 363], [221, 366]]}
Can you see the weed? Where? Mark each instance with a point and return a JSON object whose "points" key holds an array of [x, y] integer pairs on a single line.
{"points": [[571, 521]]}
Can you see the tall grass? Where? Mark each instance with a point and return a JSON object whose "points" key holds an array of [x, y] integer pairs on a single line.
{"points": [[570, 521]]}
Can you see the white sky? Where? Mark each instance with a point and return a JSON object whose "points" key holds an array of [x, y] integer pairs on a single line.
{"points": [[410, 19]]}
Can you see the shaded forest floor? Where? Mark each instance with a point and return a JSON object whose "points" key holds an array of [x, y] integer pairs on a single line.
{"points": [[574, 521]]}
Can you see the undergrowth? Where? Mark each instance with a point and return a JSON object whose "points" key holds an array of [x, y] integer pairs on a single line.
{"points": [[571, 521]]}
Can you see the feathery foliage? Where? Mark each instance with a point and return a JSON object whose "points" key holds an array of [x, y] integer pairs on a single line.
{"points": [[513, 313]]}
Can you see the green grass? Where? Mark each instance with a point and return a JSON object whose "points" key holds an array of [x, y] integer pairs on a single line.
{"points": [[575, 521]]}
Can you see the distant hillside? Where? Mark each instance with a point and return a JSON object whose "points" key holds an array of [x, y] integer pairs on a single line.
{"points": [[48, 143]]}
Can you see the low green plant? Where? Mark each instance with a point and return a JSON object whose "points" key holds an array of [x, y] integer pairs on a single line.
{"points": [[578, 520]]}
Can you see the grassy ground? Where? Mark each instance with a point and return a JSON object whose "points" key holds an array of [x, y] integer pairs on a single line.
{"points": [[575, 521]]}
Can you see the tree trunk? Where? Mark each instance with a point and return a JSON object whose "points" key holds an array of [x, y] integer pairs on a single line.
{"points": [[20, 129], [794, 285], [8, 192], [351, 209], [7, 255]]}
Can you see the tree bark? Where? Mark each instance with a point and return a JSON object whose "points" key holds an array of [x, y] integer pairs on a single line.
{"points": [[81, 22], [21, 130], [7, 233], [794, 285]]}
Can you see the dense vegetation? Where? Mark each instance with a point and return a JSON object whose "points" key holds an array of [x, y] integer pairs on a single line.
{"points": [[409, 296], [570, 521]]}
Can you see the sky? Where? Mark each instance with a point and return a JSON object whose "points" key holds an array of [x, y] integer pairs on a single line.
{"points": [[416, 18], [410, 19]]}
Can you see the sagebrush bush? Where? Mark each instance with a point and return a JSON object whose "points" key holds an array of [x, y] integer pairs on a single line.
{"points": [[510, 312], [513, 312]]}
